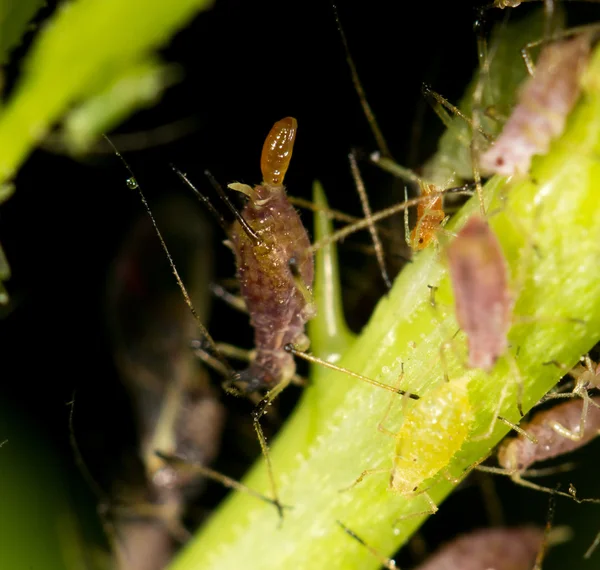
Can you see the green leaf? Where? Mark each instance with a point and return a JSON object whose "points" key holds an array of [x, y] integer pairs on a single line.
{"points": [[15, 15], [86, 46]]}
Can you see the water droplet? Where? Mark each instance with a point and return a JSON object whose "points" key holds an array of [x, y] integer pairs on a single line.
{"points": [[132, 183]]}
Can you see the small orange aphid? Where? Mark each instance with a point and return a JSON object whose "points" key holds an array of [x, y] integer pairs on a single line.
{"points": [[484, 305], [430, 217]]}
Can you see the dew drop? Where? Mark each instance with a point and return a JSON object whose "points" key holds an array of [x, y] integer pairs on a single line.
{"points": [[132, 183]]}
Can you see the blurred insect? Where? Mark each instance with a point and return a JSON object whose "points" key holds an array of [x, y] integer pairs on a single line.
{"points": [[433, 431], [178, 413], [544, 102], [479, 277], [499, 548]]}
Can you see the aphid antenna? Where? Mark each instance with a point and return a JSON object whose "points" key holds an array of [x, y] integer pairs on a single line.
{"points": [[369, 114], [238, 216], [360, 187], [386, 562], [133, 184], [320, 362], [202, 198]]}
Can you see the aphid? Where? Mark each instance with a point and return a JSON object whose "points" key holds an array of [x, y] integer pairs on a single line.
{"points": [[479, 277], [544, 102], [432, 432], [430, 218], [517, 454], [275, 265]]}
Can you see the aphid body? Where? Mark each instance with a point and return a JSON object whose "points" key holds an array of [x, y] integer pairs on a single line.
{"points": [[430, 216], [544, 102], [479, 277], [517, 454], [276, 271], [498, 548], [432, 432]]}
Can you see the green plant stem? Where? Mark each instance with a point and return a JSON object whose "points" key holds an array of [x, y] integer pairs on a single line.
{"points": [[549, 229]]}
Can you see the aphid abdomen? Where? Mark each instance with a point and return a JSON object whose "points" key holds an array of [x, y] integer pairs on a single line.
{"points": [[432, 432], [278, 309], [519, 453], [480, 283], [498, 548], [544, 102]]}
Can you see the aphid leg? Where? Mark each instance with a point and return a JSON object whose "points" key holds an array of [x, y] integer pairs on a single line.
{"points": [[310, 309], [360, 187], [517, 478], [259, 411], [518, 429], [439, 104], [197, 468], [579, 432], [385, 562], [433, 508], [380, 425], [406, 221], [232, 300], [364, 474], [549, 38], [315, 360]]}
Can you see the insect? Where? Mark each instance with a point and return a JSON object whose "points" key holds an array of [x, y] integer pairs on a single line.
{"points": [[275, 265], [479, 277], [544, 102], [430, 218], [432, 432], [517, 454]]}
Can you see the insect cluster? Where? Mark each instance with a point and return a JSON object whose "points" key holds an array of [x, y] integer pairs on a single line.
{"points": [[472, 294]]}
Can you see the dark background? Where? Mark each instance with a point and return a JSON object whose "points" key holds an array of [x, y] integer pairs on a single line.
{"points": [[246, 65]]}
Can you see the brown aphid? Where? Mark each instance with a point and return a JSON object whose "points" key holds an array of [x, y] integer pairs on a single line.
{"points": [[544, 102], [276, 270], [479, 276], [517, 454], [498, 548], [177, 411], [430, 218]]}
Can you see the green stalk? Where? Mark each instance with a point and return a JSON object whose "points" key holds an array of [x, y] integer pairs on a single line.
{"points": [[549, 229]]}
